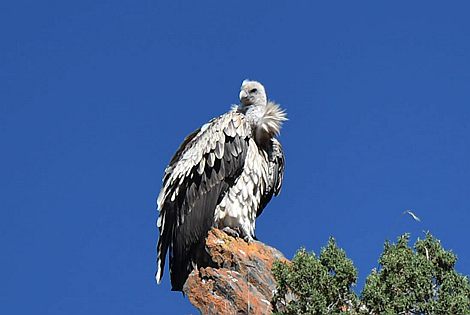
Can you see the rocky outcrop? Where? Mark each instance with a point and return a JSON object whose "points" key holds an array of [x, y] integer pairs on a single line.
{"points": [[238, 282]]}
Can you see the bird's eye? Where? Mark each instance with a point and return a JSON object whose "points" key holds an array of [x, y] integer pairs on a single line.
{"points": [[253, 90]]}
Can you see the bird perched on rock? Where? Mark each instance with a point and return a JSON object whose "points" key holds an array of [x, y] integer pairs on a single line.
{"points": [[222, 175]]}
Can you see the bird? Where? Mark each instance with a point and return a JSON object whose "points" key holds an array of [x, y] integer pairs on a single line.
{"points": [[414, 216], [223, 175]]}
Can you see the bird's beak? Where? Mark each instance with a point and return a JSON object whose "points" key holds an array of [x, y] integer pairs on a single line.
{"points": [[243, 95], [244, 98]]}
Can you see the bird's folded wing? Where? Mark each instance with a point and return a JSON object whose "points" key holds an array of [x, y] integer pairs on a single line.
{"points": [[206, 164]]}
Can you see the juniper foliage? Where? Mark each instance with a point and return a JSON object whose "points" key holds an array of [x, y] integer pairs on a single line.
{"points": [[409, 280], [315, 285]]}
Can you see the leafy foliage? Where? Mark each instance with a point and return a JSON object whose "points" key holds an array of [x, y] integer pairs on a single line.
{"points": [[315, 285], [418, 280]]}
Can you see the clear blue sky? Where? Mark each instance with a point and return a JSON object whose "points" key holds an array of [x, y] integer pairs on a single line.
{"points": [[95, 96]]}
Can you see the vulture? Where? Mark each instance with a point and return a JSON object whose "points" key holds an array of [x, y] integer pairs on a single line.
{"points": [[222, 176]]}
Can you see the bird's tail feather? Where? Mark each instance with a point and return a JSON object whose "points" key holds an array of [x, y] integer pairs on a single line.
{"points": [[162, 248]]}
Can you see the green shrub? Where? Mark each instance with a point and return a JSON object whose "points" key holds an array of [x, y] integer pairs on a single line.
{"points": [[418, 280], [315, 285]]}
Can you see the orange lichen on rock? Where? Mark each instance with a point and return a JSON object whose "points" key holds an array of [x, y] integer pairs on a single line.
{"points": [[240, 280]]}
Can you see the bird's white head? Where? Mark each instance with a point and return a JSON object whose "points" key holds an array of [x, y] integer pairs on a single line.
{"points": [[252, 93], [266, 117]]}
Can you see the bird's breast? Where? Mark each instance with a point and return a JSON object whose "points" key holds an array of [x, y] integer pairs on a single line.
{"points": [[239, 206]]}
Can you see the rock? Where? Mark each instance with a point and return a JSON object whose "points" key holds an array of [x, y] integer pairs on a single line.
{"points": [[238, 282]]}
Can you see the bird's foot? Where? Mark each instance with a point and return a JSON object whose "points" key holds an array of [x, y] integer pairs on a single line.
{"points": [[232, 232], [248, 239]]}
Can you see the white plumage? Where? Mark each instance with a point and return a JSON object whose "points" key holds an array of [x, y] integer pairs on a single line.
{"points": [[223, 175]]}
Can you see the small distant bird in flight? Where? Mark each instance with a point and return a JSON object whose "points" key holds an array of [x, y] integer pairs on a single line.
{"points": [[222, 175], [414, 216]]}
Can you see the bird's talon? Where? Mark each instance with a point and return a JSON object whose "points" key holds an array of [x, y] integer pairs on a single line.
{"points": [[231, 232], [248, 239]]}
